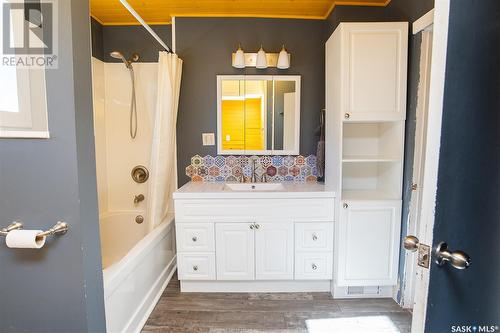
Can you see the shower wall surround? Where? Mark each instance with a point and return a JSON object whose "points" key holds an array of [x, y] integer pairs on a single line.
{"points": [[116, 153], [277, 168]]}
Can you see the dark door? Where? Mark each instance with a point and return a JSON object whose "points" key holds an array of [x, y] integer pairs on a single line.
{"points": [[59, 287], [468, 195]]}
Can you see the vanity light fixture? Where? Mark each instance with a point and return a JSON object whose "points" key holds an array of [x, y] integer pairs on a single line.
{"points": [[239, 58], [283, 59], [261, 59]]}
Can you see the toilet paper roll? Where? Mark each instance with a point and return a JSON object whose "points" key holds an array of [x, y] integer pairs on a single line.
{"points": [[24, 239]]}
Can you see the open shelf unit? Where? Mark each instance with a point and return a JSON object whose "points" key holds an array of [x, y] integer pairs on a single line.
{"points": [[372, 141], [381, 179], [372, 160]]}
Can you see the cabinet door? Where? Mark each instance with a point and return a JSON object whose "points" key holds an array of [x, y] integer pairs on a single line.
{"points": [[369, 237], [375, 71], [274, 251], [234, 243]]}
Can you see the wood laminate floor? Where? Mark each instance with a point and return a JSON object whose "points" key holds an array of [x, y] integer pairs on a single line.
{"points": [[178, 312]]}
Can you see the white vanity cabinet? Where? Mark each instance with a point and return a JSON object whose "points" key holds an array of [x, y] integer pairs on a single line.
{"points": [[254, 241]]}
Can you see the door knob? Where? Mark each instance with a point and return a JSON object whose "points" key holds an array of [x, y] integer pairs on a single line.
{"points": [[457, 259], [411, 243]]}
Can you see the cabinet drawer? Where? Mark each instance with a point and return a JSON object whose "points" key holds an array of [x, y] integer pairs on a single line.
{"points": [[195, 237], [313, 237], [196, 266], [313, 266], [244, 210]]}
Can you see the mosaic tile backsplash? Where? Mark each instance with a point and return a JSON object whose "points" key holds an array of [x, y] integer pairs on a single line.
{"points": [[230, 168]]}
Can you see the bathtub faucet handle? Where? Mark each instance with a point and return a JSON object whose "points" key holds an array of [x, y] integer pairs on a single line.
{"points": [[138, 198]]}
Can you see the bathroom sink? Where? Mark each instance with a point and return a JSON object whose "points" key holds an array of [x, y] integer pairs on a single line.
{"points": [[254, 187]]}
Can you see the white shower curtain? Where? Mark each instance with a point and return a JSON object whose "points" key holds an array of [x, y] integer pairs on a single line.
{"points": [[163, 175]]}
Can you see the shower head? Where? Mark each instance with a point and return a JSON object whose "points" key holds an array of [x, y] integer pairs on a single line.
{"points": [[119, 55]]}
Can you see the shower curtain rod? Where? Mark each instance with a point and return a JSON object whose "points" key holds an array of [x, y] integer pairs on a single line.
{"points": [[145, 25]]}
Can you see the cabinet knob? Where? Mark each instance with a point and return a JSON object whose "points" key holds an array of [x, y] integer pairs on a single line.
{"points": [[345, 205], [194, 238], [252, 226], [347, 116], [315, 238], [314, 267], [195, 268], [257, 226]]}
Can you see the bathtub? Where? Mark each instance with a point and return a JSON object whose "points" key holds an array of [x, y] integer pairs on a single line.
{"points": [[137, 267]]}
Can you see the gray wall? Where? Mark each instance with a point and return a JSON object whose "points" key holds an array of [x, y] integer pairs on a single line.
{"points": [[396, 10], [58, 288], [128, 39], [206, 44], [97, 39]]}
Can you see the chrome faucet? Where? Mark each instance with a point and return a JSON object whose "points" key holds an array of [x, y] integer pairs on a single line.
{"points": [[253, 179], [138, 198], [263, 178]]}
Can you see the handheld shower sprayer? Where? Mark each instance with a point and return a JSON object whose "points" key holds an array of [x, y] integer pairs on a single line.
{"points": [[133, 106], [128, 63]]}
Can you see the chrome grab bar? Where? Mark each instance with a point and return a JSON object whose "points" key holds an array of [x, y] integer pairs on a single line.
{"points": [[60, 228]]}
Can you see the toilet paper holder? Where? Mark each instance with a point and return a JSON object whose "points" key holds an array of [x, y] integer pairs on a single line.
{"points": [[60, 228]]}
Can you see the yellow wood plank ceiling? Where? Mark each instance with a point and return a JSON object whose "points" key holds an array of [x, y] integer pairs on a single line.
{"points": [[111, 12]]}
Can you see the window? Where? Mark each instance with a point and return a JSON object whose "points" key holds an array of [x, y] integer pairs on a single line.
{"points": [[23, 107]]}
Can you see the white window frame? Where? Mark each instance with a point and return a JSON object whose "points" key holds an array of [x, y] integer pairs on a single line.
{"points": [[32, 103]]}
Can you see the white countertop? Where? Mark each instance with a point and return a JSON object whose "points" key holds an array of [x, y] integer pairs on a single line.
{"points": [[200, 190]]}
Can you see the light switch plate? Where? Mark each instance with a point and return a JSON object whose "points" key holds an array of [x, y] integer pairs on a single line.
{"points": [[208, 139]]}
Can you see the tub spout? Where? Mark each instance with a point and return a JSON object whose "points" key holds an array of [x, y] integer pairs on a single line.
{"points": [[138, 198]]}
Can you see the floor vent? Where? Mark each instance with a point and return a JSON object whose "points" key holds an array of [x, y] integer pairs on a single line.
{"points": [[372, 290]]}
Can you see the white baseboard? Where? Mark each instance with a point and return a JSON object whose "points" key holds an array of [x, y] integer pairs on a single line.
{"points": [[139, 319], [255, 286]]}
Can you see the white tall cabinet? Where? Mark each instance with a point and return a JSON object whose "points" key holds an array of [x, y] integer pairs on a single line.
{"points": [[366, 66]]}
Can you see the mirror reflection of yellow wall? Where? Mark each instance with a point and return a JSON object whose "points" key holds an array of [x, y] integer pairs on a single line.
{"points": [[244, 105], [242, 124]]}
